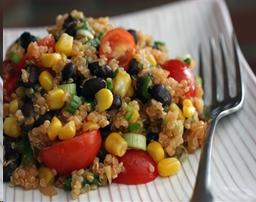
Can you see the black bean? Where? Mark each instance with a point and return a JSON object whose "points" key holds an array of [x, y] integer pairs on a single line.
{"points": [[102, 153], [34, 72], [9, 145], [161, 94], [67, 21], [69, 71], [27, 109], [133, 67], [69, 25], [43, 118], [91, 87], [104, 132], [100, 71], [117, 102], [25, 39], [142, 87], [134, 34], [152, 136], [9, 169], [79, 84]]}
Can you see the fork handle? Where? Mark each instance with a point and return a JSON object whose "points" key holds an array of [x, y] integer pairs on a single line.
{"points": [[201, 191]]}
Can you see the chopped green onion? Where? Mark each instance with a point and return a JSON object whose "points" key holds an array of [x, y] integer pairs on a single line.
{"points": [[145, 86], [99, 35], [135, 127], [129, 113], [74, 104], [115, 72], [136, 141], [69, 88], [83, 25], [158, 44], [85, 32], [199, 80], [181, 153], [14, 57], [95, 42], [187, 59], [109, 84], [27, 152]]}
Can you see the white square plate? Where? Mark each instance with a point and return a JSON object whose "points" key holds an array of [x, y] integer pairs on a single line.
{"points": [[182, 26]]}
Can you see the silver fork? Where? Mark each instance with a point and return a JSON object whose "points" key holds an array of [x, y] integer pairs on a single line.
{"points": [[218, 109]]}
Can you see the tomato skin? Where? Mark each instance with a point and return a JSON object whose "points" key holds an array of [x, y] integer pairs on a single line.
{"points": [[72, 154], [48, 41], [122, 45], [179, 71], [138, 168]]}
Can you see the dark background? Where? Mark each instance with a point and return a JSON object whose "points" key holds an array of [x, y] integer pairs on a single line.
{"points": [[21, 13]]}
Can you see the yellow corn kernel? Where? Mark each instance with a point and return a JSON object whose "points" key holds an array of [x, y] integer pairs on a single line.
{"points": [[54, 128], [11, 127], [174, 108], [56, 98], [64, 44], [156, 151], [104, 98], [187, 102], [46, 174], [116, 144], [168, 167], [50, 59], [135, 116], [130, 91], [188, 112], [121, 83], [46, 80], [13, 106], [151, 59], [67, 131], [88, 126]]}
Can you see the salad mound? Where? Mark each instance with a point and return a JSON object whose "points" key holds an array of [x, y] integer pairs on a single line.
{"points": [[91, 104]]}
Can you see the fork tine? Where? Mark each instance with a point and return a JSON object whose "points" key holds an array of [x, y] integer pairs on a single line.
{"points": [[213, 73], [238, 68], [200, 66], [224, 67]]}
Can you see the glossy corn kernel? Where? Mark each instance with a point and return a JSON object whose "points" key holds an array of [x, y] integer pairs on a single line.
{"points": [[54, 128], [46, 80], [64, 44], [88, 126], [168, 167], [188, 108], [116, 144], [11, 127], [151, 59], [46, 175], [130, 91], [135, 116], [13, 106], [50, 59], [104, 99], [175, 108], [56, 98], [121, 83], [67, 131], [156, 151]]}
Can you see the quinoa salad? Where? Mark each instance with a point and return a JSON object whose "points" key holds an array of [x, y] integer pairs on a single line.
{"points": [[92, 104]]}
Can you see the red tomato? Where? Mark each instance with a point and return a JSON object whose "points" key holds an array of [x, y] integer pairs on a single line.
{"points": [[122, 45], [140, 168], [9, 87], [179, 71], [48, 41], [72, 154]]}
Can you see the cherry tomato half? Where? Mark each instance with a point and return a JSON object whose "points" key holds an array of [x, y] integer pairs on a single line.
{"points": [[72, 154], [121, 43], [179, 71], [140, 168]]}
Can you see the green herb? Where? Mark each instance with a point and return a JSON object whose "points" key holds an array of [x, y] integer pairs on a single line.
{"points": [[158, 44], [128, 114], [135, 127], [109, 84], [27, 152], [82, 25], [67, 183], [14, 57], [145, 86], [199, 80], [187, 59], [99, 35]]}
